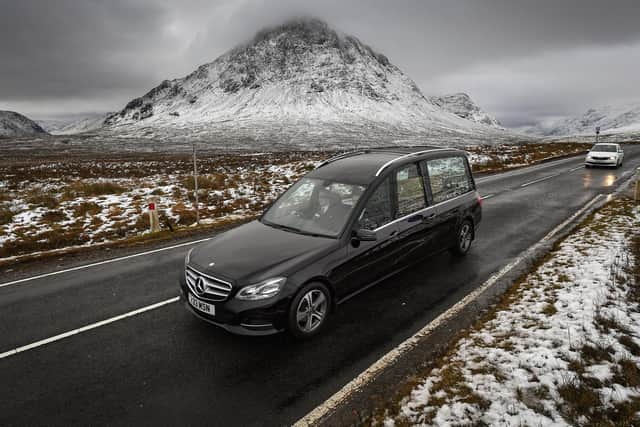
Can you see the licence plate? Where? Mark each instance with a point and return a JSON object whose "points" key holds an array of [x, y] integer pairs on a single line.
{"points": [[202, 306]]}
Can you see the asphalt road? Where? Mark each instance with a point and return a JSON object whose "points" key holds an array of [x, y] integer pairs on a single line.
{"points": [[165, 367]]}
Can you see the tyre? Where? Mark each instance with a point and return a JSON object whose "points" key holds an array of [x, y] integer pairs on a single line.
{"points": [[309, 311], [463, 238]]}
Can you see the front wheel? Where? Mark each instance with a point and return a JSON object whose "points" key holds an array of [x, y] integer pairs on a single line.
{"points": [[464, 238], [309, 311]]}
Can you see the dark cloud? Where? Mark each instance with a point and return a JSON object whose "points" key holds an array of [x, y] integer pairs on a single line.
{"points": [[74, 55]]}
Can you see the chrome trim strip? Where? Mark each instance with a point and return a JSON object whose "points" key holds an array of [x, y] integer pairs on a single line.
{"points": [[422, 210], [208, 276], [404, 156], [262, 325], [215, 289]]}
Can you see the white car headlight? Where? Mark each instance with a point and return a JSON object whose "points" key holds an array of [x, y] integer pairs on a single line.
{"points": [[262, 290]]}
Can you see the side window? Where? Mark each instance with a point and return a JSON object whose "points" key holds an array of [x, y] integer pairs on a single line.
{"points": [[448, 178], [410, 190], [377, 211]]}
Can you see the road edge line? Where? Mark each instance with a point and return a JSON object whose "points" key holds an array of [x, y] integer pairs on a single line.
{"points": [[107, 261], [318, 414]]}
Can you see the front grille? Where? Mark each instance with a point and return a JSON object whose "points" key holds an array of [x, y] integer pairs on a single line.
{"points": [[599, 158], [210, 288]]}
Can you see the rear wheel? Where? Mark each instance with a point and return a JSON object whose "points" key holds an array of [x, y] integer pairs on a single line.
{"points": [[464, 238], [309, 311]]}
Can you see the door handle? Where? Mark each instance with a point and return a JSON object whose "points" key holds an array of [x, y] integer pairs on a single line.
{"points": [[431, 216]]}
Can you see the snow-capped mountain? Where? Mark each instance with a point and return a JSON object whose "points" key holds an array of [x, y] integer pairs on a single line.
{"points": [[15, 125], [612, 120], [301, 83], [74, 124], [463, 106]]}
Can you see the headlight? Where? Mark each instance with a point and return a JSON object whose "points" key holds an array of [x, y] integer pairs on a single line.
{"points": [[262, 290], [188, 257]]}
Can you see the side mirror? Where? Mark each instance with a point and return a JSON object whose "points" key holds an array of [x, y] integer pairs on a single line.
{"points": [[364, 235]]}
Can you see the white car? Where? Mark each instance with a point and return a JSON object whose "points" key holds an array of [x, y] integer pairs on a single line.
{"points": [[604, 155]]}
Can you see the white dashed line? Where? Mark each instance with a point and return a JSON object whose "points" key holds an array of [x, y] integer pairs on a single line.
{"points": [[526, 184], [86, 328]]}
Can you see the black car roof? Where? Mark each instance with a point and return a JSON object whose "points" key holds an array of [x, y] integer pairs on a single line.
{"points": [[362, 166]]}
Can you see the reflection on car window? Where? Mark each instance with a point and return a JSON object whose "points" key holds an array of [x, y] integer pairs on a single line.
{"points": [[410, 186], [448, 178], [377, 211], [315, 206]]}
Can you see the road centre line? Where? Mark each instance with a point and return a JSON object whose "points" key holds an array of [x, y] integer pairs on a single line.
{"points": [[86, 328], [523, 170], [540, 180]]}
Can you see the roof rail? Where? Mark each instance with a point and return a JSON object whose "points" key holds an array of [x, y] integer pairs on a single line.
{"points": [[417, 153], [342, 156]]}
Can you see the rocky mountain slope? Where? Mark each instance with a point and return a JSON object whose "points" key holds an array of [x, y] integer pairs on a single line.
{"points": [[15, 125], [613, 120], [301, 83], [463, 106]]}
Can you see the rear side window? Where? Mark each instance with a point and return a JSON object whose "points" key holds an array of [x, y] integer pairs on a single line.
{"points": [[377, 211], [410, 190], [448, 178]]}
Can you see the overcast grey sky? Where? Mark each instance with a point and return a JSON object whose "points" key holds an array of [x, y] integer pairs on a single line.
{"points": [[523, 61]]}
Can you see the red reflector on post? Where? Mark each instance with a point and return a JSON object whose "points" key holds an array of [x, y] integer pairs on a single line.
{"points": [[152, 206]]}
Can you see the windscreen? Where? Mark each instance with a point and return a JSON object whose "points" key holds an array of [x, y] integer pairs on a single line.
{"points": [[314, 206], [607, 148]]}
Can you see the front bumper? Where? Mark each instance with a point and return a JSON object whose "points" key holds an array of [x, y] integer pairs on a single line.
{"points": [[242, 317]]}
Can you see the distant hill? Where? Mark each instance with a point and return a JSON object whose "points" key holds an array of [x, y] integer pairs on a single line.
{"points": [[613, 120], [463, 106], [305, 84], [15, 125], [74, 124]]}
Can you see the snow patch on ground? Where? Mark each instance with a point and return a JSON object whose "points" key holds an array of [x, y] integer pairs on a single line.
{"points": [[524, 365]]}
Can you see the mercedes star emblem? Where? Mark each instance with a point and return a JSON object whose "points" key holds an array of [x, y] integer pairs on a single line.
{"points": [[200, 286]]}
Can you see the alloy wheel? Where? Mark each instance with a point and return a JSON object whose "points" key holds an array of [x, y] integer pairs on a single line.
{"points": [[465, 237], [311, 310]]}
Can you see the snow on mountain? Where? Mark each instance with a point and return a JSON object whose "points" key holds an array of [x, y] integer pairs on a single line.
{"points": [[74, 124], [300, 83], [463, 106], [15, 125], [613, 120]]}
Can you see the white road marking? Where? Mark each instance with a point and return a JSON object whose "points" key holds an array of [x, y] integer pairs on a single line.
{"points": [[523, 170], [86, 328], [81, 267], [372, 371], [575, 169], [526, 184], [488, 196]]}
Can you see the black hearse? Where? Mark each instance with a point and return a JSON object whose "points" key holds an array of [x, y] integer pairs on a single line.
{"points": [[355, 220]]}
